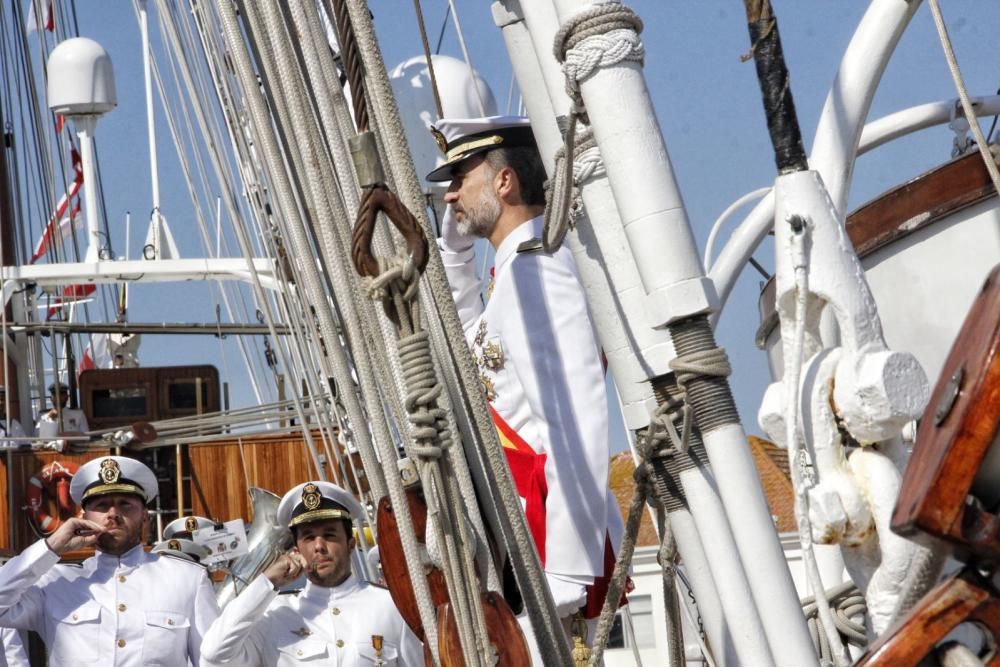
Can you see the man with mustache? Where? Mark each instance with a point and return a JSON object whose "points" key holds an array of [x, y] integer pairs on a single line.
{"points": [[122, 606], [537, 351], [337, 619]]}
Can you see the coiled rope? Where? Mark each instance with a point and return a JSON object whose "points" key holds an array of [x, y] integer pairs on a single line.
{"points": [[846, 603]]}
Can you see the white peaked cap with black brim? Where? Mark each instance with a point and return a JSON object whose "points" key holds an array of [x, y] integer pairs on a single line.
{"points": [[113, 474], [461, 138], [316, 501], [178, 547], [185, 526]]}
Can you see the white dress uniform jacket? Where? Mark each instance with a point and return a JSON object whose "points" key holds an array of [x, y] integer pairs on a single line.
{"points": [[540, 363], [137, 609], [14, 653], [317, 626]]}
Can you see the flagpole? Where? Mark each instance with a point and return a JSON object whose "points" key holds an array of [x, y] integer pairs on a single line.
{"points": [[151, 126]]}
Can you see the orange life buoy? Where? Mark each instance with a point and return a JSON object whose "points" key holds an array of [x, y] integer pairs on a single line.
{"points": [[58, 475]]}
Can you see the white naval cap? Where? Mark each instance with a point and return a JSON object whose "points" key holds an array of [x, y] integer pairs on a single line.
{"points": [[113, 474], [461, 138], [179, 547], [315, 501], [185, 526]]}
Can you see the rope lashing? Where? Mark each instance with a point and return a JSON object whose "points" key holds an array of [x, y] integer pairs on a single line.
{"points": [[563, 209], [599, 36], [846, 602]]}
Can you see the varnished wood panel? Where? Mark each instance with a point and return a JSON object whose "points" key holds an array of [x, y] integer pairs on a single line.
{"points": [[23, 466], [959, 428], [219, 483]]}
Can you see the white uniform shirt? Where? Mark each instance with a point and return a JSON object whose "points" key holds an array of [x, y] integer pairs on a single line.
{"points": [[14, 653], [73, 421], [317, 626], [540, 362], [137, 609]]}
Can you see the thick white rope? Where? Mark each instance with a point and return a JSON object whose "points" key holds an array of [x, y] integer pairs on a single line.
{"points": [[963, 95], [797, 456]]}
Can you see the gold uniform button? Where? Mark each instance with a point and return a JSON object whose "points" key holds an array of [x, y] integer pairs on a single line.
{"points": [[122, 607], [340, 643], [335, 611], [299, 652], [121, 578], [76, 616], [121, 643], [170, 621]]}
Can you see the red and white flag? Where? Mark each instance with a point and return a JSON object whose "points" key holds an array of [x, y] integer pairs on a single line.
{"points": [[60, 227], [97, 354], [48, 18], [69, 295]]}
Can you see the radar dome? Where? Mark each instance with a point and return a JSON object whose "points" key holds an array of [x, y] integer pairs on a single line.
{"points": [[411, 83], [81, 78]]}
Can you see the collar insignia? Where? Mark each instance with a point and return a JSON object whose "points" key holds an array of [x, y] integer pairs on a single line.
{"points": [[110, 471], [439, 138], [190, 524], [311, 496], [302, 632]]}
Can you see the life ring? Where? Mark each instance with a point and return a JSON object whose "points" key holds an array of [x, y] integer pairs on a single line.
{"points": [[57, 474]]}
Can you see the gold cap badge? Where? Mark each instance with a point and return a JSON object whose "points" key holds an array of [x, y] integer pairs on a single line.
{"points": [[190, 524], [174, 545], [439, 138], [311, 496], [110, 471]]}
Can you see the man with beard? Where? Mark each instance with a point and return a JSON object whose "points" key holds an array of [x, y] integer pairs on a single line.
{"points": [[122, 606], [537, 351], [336, 620]]}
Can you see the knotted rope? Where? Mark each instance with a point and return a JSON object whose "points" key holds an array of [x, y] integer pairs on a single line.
{"points": [[600, 36], [649, 447], [395, 281], [563, 205]]}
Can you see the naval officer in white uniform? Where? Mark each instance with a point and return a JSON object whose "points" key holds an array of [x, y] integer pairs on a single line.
{"points": [[337, 619], [121, 607], [61, 418], [539, 359]]}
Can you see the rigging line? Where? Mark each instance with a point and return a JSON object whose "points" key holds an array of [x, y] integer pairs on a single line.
{"points": [[219, 165], [963, 95], [444, 24], [317, 197], [186, 169], [428, 58], [468, 59]]}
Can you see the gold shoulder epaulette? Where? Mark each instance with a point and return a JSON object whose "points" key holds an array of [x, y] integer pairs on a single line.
{"points": [[531, 245]]}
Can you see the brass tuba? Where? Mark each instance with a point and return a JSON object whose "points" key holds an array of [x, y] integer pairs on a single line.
{"points": [[266, 541]]}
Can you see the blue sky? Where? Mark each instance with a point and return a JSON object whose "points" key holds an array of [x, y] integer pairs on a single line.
{"points": [[706, 99]]}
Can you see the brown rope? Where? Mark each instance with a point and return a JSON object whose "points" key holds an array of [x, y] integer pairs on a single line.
{"points": [[379, 198], [351, 57]]}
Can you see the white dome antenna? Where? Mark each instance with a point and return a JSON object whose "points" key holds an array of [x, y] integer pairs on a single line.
{"points": [[82, 87], [81, 79]]}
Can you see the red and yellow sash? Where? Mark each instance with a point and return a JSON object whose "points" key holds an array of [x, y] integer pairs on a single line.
{"points": [[527, 467]]}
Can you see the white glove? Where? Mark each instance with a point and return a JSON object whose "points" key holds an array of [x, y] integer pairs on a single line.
{"points": [[451, 239], [568, 595]]}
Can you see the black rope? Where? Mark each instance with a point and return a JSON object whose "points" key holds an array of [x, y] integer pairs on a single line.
{"points": [[772, 74]]}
